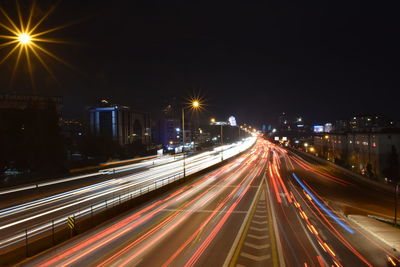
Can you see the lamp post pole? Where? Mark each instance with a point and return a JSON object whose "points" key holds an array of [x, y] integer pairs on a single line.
{"points": [[222, 135], [183, 141], [195, 104], [222, 138], [396, 190], [183, 129]]}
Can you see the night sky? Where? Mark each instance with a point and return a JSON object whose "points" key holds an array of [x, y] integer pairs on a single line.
{"points": [[322, 60]]}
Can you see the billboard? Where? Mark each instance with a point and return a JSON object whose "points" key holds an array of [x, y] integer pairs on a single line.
{"points": [[328, 127], [318, 128]]}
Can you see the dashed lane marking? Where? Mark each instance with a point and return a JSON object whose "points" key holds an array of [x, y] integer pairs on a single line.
{"points": [[259, 222], [258, 229], [257, 246], [259, 237], [255, 258]]}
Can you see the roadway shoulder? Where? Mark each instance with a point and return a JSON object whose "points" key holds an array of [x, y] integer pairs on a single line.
{"points": [[382, 231]]}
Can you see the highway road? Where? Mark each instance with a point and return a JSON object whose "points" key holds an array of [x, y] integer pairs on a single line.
{"points": [[221, 217], [308, 198], [37, 214], [268, 207]]}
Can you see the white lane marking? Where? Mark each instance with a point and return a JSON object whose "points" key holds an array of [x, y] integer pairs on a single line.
{"points": [[241, 230], [255, 258], [258, 229], [259, 222], [257, 246], [259, 237], [208, 211]]}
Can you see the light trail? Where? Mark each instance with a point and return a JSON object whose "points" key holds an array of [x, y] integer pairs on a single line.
{"points": [[189, 190], [322, 206], [328, 225], [43, 208]]}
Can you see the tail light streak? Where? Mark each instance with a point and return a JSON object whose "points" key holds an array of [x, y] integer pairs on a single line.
{"points": [[159, 205]]}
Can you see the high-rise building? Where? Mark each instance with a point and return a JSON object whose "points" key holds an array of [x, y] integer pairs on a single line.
{"points": [[120, 123]]}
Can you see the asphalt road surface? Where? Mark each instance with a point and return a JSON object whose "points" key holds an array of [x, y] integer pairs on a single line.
{"points": [[34, 215], [268, 207]]}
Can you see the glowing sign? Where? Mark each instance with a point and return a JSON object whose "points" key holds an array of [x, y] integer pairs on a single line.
{"points": [[318, 129], [284, 138], [328, 127], [232, 121], [276, 138]]}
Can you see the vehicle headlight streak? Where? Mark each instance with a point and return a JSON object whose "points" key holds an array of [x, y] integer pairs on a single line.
{"points": [[194, 164], [114, 233]]}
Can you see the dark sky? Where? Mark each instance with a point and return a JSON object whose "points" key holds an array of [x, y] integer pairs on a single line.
{"points": [[322, 60]]}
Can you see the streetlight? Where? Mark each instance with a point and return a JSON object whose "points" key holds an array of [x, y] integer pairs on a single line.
{"points": [[221, 131], [195, 104], [25, 39], [221, 135]]}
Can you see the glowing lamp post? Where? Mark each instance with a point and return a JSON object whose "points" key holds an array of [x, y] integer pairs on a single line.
{"points": [[195, 104], [24, 39]]}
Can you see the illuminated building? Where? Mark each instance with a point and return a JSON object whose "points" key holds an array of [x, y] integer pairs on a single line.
{"points": [[120, 123]]}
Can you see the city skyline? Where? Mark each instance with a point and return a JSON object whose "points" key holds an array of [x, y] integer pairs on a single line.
{"points": [[287, 56], [199, 134]]}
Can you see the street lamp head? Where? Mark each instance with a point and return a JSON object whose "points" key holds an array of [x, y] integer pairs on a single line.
{"points": [[212, 120], [24, 38], [195, 104]]}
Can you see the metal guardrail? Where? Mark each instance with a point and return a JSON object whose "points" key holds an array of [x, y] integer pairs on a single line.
{"points": [[24, 236]]}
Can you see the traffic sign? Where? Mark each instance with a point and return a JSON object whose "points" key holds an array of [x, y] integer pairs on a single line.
{"points": [[71, 222]]}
